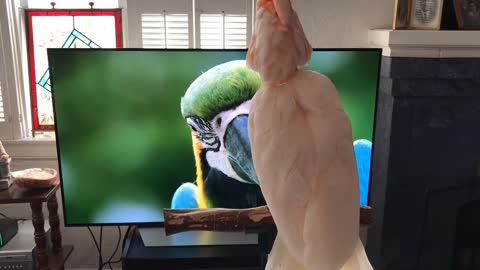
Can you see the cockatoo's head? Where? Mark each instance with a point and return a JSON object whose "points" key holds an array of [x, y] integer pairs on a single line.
{"points": [[278, 46], [216, 107]]}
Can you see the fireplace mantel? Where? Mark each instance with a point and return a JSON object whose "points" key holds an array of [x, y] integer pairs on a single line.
{"points": [[430, 44]]}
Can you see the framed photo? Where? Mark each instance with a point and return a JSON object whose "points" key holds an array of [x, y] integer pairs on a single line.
{"points": [[401, 14], [426, 14], [468, 14]]}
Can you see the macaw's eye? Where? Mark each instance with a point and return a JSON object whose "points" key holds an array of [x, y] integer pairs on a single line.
{"points": [[219, 121]]}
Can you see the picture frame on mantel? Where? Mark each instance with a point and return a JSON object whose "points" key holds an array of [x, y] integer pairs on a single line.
{"points": [[425, 14], [468, 14], [401, 14]]}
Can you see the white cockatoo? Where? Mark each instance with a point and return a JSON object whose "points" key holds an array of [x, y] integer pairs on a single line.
{"points": [[302, 150]]}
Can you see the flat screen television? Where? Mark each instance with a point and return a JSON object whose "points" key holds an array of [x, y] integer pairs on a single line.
{"points": [[141, 130]]}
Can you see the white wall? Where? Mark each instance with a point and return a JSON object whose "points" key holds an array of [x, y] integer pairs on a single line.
{"points": [[327, 23], [343, 23]]}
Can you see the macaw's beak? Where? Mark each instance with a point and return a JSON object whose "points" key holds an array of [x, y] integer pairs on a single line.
{"points": [[239, 150]]}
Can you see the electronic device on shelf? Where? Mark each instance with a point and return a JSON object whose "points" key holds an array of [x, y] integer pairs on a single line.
{"points": [[18, 253], [125, 149], [8, 229], [5, 183]]}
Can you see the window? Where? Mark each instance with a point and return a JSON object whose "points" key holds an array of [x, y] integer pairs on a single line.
{"points": [[165, 31], [69, 4], [2, 110], [93, 28], [225, 31], [26, 95]]}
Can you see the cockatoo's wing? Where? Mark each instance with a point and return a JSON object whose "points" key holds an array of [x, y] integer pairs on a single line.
{"points": [[302, 151]]}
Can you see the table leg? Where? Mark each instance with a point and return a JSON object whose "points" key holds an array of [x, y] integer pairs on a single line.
{"points": [[54, 221], [40, 236]]}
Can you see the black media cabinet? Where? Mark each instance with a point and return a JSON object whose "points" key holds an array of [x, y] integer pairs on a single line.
{"points": [[136, 256]]}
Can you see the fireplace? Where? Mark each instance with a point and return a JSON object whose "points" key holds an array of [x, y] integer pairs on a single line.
{"points": [[425, 188], [467, 238]]}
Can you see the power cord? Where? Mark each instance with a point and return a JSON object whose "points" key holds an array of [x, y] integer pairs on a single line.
{"points": [[98, 245], [109, 262], [123, 245], [126, 235], [100, 258]]}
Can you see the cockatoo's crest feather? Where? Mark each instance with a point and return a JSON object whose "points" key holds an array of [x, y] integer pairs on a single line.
{"points": [[279, 45]]}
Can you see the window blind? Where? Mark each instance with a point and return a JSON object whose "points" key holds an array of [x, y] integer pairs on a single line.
{"points": [[165, 31], [224, 31]]}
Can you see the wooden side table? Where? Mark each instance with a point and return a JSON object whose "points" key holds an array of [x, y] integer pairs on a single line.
{"points": [[45, 259]]}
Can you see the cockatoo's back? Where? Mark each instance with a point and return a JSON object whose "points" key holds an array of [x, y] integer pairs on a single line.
{"points": [[302, 150], [303, 155]]}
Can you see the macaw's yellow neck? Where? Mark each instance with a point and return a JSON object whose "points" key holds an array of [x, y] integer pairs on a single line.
{"points": [[197, 148]]}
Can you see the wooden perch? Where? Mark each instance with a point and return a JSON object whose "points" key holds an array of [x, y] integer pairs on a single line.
{"points": [[215, 219], [228, 220]]}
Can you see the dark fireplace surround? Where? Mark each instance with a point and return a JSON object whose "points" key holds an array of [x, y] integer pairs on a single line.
{"points": [[425, 188]]}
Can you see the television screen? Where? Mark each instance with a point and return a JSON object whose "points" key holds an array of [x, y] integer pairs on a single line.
{"points": [[142, 130]]}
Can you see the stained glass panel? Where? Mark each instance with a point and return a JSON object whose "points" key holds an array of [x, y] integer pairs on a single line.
{"points": [[69, 4], [63, 29]]}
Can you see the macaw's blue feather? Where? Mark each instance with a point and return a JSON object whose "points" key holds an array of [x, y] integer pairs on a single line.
{"points": [[363, 154], [185, 196]]}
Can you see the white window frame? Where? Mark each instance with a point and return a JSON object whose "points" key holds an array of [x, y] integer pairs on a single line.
{"points": [[16, 102]]}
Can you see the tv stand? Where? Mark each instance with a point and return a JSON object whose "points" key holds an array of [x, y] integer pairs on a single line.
{"points": [[155, 237], [196, 250]]}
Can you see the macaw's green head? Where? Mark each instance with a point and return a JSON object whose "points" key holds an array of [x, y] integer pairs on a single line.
{"points": [[221, 88], [216, 107]]}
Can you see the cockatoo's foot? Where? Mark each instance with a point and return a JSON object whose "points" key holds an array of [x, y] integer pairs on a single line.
{"points": [[185, 196]]}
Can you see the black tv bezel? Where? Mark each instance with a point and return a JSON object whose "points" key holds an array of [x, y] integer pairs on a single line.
{"points": [[162, 223]]}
